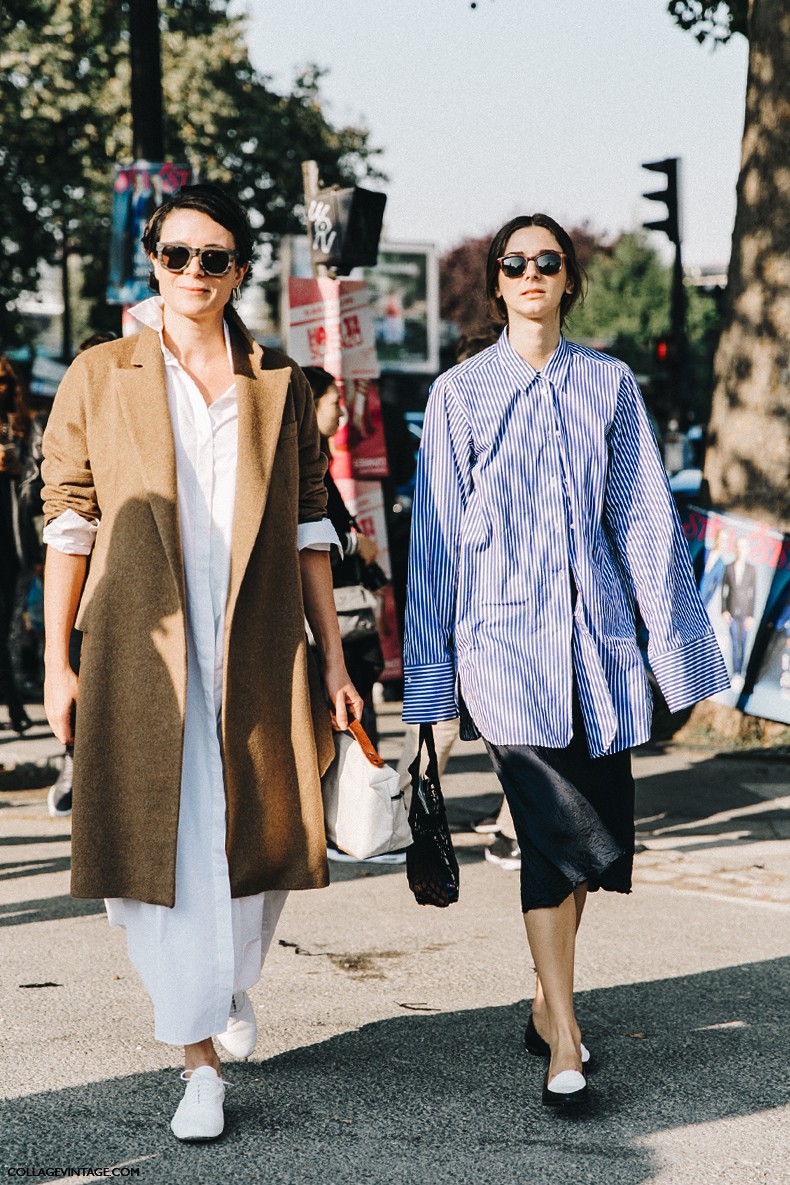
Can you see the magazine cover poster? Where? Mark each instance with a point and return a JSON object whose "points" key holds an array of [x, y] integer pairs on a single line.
{"points": [[735, 561]]}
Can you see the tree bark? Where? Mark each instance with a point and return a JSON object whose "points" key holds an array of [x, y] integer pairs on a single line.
{"points": [[747, 468]]}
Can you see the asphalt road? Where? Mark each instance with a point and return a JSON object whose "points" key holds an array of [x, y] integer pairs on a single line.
{"points": [[390, 1034]]}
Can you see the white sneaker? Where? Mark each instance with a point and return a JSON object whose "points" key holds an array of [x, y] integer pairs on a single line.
{"points": [[241, 1034], [200, 1115]]}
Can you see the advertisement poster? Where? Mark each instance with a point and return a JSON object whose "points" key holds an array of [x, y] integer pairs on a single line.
{"points": [[743, 575], [137, 191], [404, 289], [330, 325]]}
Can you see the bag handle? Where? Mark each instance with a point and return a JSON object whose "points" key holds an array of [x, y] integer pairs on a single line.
{"points": [[365, 743], [426, 738]]}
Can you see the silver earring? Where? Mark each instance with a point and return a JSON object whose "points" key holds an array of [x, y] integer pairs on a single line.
{"points": [[236, 294]]}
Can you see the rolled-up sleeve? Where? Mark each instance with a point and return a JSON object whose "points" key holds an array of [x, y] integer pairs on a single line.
{"points": [[442, 488], [320, 536], [645, 527], [66, 468], [71, 534]]}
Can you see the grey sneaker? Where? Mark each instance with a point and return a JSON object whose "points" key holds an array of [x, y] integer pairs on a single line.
{"points": [[59, 797]]}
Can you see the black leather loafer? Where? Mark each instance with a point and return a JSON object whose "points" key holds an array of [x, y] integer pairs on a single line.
{"points": [[568, 1089]]}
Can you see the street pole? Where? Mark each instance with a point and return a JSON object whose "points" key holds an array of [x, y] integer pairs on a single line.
{"points": [[65, 352], [311, 183], [145, 53]]}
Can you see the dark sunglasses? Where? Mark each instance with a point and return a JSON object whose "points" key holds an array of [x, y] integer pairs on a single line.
{"points": [[214, 261], [548, 263]]}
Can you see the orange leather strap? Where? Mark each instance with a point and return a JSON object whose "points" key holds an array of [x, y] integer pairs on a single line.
{"points": [[359, 735]]}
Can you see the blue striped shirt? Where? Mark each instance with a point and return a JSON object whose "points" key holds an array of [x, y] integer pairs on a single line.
{"points": [[523, 478]]}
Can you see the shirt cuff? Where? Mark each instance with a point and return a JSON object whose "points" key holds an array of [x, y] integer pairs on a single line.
{"points": [[320, 536], [691, 672], [429, 693], [71, 533]]}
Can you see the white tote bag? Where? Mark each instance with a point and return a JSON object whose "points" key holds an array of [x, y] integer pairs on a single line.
{"points": [[364, 809]]}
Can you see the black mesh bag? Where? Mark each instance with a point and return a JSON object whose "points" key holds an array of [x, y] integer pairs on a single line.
{"points": [[431, 865]]}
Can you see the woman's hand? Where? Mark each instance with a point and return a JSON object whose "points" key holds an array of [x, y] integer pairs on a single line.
{"points": [[366, 549], [344, 699], [61, 692]]}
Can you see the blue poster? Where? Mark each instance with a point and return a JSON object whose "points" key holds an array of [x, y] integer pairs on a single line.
{"points": [[137, 191]]}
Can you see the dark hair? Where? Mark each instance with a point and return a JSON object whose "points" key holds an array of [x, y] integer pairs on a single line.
{"points": [[473, 343], [206, 199], [13, 405], [95, 339], [576, 274], [320, 380]]}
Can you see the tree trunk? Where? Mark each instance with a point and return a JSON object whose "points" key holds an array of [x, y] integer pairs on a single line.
{"points": [[747, 467]]}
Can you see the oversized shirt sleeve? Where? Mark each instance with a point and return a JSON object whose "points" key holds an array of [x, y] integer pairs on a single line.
{"points": [[442, 488], [645, 527]]}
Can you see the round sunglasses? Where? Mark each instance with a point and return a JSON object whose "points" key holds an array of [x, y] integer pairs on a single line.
{"points": [[548, 263], [214, 261]]}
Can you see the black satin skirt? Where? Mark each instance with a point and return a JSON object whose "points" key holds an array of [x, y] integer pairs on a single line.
{"points": [[573, 815]]}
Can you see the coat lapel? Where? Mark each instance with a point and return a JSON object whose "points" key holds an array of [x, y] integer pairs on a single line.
{"points": [[142, 391], [261, 398]]}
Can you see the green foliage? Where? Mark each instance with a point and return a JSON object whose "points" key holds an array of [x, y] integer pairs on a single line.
{"points": [[627, 308], [65, 122], [627, 296], [711, 20]]}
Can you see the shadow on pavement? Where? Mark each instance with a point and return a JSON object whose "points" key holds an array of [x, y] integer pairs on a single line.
{"points": [[447, 1097], [720, 800], [47, 909]]}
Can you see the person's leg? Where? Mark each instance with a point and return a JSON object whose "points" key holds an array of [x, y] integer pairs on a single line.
{"points": [[202, 1053], [552, 940], [540, 1014]]}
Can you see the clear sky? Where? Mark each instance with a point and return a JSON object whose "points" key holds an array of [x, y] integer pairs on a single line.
{"points": [[521, 105]]}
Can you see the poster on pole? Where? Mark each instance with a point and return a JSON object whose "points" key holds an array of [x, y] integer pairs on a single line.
{"points": [[743, 575], [330, 325], [137, 191]]}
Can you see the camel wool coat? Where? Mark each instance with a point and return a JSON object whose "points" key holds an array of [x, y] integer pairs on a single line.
{"points": [[109, 454]]}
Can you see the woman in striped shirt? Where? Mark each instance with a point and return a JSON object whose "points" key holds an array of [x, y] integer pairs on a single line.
{"points": [[542, 519]]}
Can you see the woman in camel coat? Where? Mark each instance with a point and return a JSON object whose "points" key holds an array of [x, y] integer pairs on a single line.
{"points": [[191, 458]]}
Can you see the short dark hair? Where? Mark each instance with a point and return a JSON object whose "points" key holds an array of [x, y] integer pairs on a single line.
{"points": [[206, 199], [320, 380], [576, 273]]}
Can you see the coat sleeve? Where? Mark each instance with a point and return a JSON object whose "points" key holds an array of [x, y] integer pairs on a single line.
{"points": [[644, 525], [443, 485], [312, 462], [66, 467]]}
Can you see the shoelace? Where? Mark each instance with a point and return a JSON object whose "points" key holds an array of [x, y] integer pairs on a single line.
{"points": [[186, 1076]]}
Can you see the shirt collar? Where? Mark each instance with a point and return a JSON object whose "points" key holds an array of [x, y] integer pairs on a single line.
{"points": [[149, 313], [555, 370]]}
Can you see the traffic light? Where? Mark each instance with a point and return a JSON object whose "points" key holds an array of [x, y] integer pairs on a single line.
{"points": [[666, 351], [344, 226], [669, 196]]}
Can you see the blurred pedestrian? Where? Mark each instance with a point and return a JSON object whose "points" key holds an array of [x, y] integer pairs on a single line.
{"points": [[542, 517], [363, 657], [16, 428], [191, 458]]}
